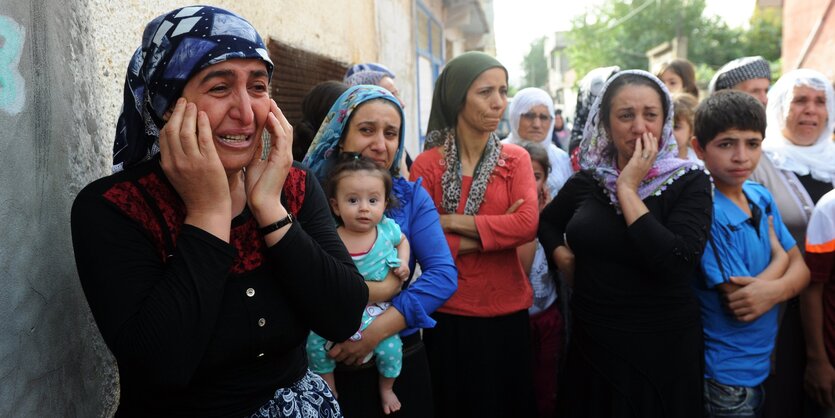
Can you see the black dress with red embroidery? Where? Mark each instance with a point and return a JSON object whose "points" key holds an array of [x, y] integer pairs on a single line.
{"points": [[199, 326]]}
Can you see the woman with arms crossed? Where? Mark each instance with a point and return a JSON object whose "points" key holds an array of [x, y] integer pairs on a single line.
{"points": [[480, 348]]}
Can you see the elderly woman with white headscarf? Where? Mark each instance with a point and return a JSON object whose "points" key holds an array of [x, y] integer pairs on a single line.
{"points": [[799, 170], [798, 142], [532, 120]]}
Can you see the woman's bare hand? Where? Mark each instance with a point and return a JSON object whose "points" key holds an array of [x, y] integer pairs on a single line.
{"points": [[514, 207], [646, 150], [265, 178], [190, 162]]}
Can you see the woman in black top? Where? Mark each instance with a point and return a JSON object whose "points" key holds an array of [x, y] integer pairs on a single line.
{"points": [[629, 229], [205, 266]]}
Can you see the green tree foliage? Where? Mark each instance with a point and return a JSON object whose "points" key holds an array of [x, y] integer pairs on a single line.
{"points": [[535, 65], [766, 33], [620, 32]]}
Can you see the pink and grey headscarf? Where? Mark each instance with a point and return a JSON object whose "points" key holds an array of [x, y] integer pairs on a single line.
{"points": [[598, 155], [175, 46]]}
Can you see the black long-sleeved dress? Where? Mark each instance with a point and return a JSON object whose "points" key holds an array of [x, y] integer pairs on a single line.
{"points": [[198, 326], [636, 347]]}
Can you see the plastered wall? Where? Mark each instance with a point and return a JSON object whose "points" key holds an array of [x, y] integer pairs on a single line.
{"points": [[52, 361]]}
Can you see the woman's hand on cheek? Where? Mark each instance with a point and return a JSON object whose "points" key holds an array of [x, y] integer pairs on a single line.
{"points": [[265, 178], [190, 162], [646, 149]]}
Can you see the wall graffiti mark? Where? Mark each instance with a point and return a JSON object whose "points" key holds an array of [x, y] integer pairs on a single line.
{"points": [[12, 84]]}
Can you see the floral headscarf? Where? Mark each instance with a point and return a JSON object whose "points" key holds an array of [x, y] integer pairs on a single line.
{"points": [[523, 102], [598, 155], [447, 100], [325, 148], [175, 46], [817, 159]]}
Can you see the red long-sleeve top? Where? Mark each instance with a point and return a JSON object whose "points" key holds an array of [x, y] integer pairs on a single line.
{"points": [[491, 281]]}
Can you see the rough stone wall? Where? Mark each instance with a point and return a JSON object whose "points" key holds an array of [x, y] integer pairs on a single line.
{"points": [[52, 360]]}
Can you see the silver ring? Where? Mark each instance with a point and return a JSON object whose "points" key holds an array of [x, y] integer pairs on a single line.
{"points": [[645, 156]]}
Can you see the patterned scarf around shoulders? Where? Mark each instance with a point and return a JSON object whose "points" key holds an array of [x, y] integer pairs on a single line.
{"points": [[452, 177]]}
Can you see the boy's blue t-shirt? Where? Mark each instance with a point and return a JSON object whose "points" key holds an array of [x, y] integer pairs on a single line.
{"points": [[738, 353]]}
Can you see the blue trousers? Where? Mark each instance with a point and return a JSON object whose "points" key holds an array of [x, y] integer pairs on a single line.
{"points": [[725, 401]]}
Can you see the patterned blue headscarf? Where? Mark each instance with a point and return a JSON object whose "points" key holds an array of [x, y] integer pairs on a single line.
{"points": [[175, 46], [324, 150]]}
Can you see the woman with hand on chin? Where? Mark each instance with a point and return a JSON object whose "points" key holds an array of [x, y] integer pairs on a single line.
{"points": [[189, 254], [630, 228]]}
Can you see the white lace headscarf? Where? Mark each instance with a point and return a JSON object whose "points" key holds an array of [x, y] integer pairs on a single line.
{"points": [[523, 102], [817, 159]]}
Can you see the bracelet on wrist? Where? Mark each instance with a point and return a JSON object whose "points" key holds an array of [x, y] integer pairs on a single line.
{"points": [[275, 226]]}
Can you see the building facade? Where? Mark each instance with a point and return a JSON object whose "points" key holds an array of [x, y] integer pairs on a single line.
{"points": [[809, 35], [561, 77]]}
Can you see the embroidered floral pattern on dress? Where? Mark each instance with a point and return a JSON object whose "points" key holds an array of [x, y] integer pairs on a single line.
{"points": [[161, 191], [245, 237], [294, 189], [127, 198], [247, 240]]}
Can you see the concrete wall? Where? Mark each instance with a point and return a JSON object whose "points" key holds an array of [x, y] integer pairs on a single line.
{"points": [[397, 51], [62, 67], [52, 361]]}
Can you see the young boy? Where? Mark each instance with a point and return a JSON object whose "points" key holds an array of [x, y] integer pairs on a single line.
{"points": [[750, 263]]}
